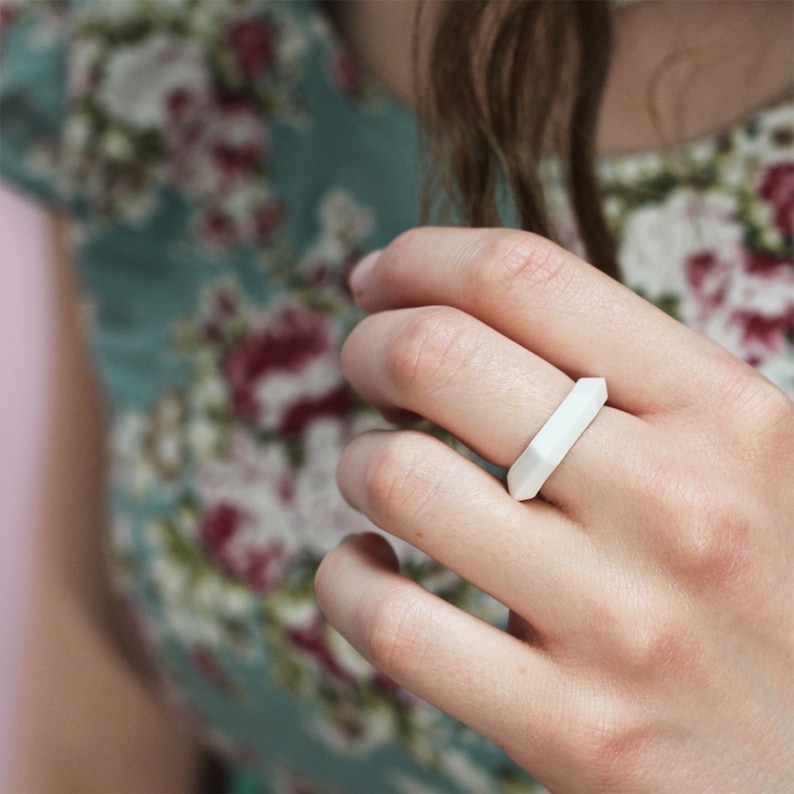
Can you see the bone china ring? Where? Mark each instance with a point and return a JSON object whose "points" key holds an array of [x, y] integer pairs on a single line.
{"points": [[555, 439]]}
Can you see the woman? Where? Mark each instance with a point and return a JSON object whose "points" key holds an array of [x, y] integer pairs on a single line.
{"points": [[224, 165]]}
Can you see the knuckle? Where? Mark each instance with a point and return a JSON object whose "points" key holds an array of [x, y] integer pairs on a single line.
{"points": [[761, 414], [772, 414], [642, 627], [430, 349], [513, 261], [715, 540], [396, 630], [402, 249], [606, 738], [703, 524], [657, 645], [400, 480], [756, 402], [407, 241], [620, 739], [642, 630], [614, 750]]}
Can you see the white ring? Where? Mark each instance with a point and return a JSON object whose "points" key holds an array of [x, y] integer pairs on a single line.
{"points": [[555, 439]]}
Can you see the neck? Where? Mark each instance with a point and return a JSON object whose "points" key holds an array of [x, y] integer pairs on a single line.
{"points": [[680, 70], [684, 70]]}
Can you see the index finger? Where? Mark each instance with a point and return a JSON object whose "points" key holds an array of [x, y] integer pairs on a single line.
{"points": [[551, 302]]}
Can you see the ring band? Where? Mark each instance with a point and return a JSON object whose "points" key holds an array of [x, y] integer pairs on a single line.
{"points": [[555, 439]]}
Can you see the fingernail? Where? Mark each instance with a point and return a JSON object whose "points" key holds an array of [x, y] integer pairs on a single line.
{"points": [[359, 276]]}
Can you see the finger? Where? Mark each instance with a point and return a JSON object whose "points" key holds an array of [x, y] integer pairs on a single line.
{"points": [[491, 393], [435, 650], [551, 302], [524, 555]]}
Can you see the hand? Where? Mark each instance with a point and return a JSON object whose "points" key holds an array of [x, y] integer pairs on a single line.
{"points": [[651, 636]]}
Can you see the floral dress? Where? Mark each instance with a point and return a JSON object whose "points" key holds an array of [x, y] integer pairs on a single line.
{"points": [[223, 165]]}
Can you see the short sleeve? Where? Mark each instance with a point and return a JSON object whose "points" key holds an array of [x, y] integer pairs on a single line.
{"points": [[33, 38]]}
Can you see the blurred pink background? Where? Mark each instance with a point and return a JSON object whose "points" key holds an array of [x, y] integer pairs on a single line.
{"points": [[26, 326]]}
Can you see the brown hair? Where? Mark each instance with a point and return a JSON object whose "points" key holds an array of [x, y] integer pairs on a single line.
{"points": [[490, 120]]}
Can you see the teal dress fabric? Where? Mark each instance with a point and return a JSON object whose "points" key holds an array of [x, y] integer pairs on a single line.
{"points": [[223, 165]]}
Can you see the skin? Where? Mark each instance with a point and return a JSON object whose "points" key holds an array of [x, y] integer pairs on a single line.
{"points": [[88, 720], [651, 640], [650, 644], [73, 618], [680, 69]]}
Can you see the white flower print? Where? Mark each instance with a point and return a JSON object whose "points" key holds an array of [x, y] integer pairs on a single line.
{"points": [[772, 141], [143, 78], [344, 226], [259, 512], [462, 769], [285, 370], [319, 508], [215, 143], [659, 240], [355, 731], [244, 525]]}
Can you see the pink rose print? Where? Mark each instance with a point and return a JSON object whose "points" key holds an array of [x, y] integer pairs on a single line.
{"points": [[216, 142], [767, 326], [7, 13], [259, 512], [762, 335], [204, 661], [252, 42], [708, 277], [303, 411], [218, 228], [777, 187], [345, 72], [285, 373], [239, 146], [741, 302], [311, 640], [768, 267], [222, 310], [181, 105], [267, 218], [259, 565]]}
